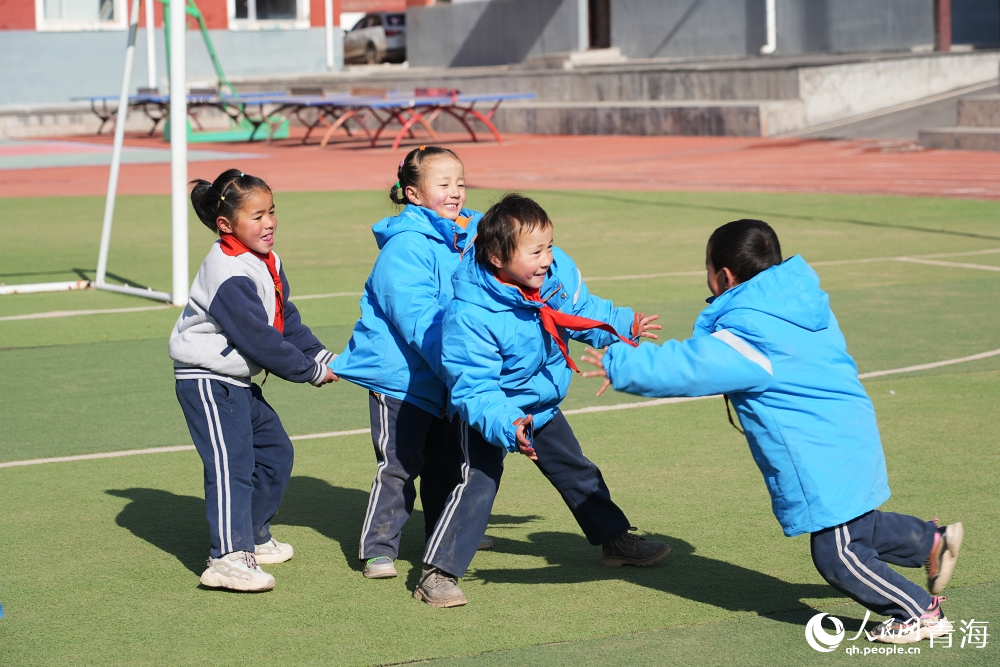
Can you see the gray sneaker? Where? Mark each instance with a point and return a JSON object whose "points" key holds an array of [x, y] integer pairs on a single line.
{"points": [[631, 549], [439, 589], [380, 567], [485, 544]]}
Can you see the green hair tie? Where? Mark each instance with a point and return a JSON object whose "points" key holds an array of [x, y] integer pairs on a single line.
{"points": [[398, 185]]}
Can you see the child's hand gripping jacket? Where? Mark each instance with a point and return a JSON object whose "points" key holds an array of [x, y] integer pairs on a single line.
{"points": [[500, 364], [396, 345]]}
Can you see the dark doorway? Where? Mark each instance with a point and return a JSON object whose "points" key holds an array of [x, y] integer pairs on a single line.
{"points": [[600, 24]]}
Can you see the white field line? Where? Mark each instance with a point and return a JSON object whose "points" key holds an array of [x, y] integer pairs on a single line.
{"points": [[104, 311], [640, 404], [578, 411], [936, 364], [72, 313], [325, 296], [640, 276], [918, 259], [159, 450], [959, 265]]}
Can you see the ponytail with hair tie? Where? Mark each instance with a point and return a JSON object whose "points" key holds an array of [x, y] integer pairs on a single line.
{"points": [[410, 171], [224, 197]]}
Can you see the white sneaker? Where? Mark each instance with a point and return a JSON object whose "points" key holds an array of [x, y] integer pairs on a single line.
{"points": [[237, 571], [273, 551]]}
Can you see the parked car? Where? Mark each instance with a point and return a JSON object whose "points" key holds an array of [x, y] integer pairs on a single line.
{"points": [[379, 37]]}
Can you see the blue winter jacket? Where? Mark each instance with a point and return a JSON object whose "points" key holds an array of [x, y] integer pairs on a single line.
{"points": [[773, 345], [500, 364], [396, 345]]}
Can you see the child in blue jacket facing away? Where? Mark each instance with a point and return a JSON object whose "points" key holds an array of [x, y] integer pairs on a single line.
{"points": [[769, 342], [395, 352], [237, 323], [517, 303]]}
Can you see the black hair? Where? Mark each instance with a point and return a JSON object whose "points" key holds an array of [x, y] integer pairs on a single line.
{"points": [[745, 247], [503, 223], [410, 171], [224, 197]]}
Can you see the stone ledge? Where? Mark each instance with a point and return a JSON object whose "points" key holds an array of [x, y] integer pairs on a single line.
{"points": [[962, 138]]}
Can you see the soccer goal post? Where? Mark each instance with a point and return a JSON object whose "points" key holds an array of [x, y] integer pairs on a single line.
{"points": [[178, 173], [178, 163]]}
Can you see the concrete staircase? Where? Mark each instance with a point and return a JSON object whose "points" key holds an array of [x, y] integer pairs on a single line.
{"points": [[709, 97], [599, 93], [978, 127]]}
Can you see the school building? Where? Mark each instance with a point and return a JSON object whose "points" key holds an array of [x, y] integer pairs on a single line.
{"points": [[55, 51]]}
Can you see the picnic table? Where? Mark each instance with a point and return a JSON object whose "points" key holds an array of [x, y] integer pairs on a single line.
{"points": [[344, 110], [355, 110], [156, 107]]}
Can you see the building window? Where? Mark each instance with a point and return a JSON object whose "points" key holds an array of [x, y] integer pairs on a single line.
{"points": [[80, 15], [268, 14]]}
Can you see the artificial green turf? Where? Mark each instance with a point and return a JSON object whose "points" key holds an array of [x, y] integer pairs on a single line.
{"points": [[101, 557]]}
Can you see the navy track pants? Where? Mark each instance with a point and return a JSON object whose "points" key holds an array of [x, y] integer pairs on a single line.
{"points": [[560, 459], [247, 456], [409, 442], [852, 558]]}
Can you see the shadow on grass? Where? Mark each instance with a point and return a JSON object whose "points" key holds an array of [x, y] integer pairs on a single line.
{"points": [[172, 523], [683, 573], [176, 524]]}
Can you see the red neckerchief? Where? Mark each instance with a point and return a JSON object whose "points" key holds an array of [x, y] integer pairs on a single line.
{"points": [[232, 247], [552, 320]]}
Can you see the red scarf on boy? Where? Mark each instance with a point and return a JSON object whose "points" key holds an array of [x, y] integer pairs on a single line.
{"points": [[232, 247], [552, 320]]}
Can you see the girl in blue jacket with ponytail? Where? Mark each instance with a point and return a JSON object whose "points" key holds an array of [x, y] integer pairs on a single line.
{"points": [[395, 351], [769, 343]]}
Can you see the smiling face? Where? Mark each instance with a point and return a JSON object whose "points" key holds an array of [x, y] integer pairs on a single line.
{"points": [[441, 187], [531, 260], [255, 222]]}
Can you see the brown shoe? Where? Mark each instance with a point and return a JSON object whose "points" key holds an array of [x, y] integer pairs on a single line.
{"points": [[439, 589], [631, 549]]}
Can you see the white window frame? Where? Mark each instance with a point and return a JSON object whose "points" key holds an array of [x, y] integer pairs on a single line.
{"points": [[301, 22], [43, 24]]}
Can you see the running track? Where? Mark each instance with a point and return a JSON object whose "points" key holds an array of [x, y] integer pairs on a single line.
{"points": [[572, 163]]}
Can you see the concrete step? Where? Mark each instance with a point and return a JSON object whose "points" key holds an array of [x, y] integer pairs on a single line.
{"points": [[964, 138], [979, 111], [744, 118]]}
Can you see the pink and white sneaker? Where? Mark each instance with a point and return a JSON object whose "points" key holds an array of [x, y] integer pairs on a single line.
{"points": [[931, 623]]}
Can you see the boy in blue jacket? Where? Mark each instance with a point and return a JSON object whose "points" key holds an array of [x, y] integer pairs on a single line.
{"points": [[505, 357], [769, 342], [395, 351]]}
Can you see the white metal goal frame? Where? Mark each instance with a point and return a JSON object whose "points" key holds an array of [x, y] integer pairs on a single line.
{"points": [[178, 168]]}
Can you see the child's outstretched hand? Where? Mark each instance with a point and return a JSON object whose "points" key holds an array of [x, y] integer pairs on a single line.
{"points": [[643, 325], [329, 377], [522, 439], [596, 358]]}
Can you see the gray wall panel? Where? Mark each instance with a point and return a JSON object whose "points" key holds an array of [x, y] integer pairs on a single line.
{"points": [[471, 34], [975, 22], [53, 67], [813, 26], [687, 28]]}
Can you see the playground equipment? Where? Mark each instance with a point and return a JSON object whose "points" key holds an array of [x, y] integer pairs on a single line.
{"points": [[229, 102]]}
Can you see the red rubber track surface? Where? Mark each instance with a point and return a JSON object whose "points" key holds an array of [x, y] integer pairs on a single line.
{"points": [[570, 163]]}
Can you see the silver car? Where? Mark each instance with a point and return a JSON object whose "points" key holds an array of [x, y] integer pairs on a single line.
{"points": [[379, 37]]}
